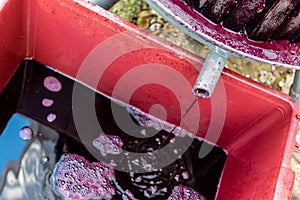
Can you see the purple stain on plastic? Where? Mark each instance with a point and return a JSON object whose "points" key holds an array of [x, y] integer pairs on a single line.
{"points": [[47, 102], [108, 144], [76, 178], [181, 192], [26, 133], [51, 117], [52, 84]]}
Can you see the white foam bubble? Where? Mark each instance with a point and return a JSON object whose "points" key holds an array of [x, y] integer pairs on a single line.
{"points": [[52, 84], [26, 133]]}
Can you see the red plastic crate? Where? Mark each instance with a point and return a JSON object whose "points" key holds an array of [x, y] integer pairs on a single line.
{"points": [[254, 124]]}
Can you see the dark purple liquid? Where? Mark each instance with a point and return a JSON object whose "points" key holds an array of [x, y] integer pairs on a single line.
{"points": [[186, 174]]}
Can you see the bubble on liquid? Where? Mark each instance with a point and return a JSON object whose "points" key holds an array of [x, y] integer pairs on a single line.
{"points": [[176, 178], [108, 144], [180, 132], [131, 174], [185, 175], [175, 151], [113, 163], [172, 140], [52, 84], [150, 191], [242, 33], [47, 102], [136, 162], [143, 120], [138, 179], [147, 163], [168, 127], [153, 191], [76, 178], [158, 141], [51, 117], [181, 192], [44, 159], [26, 133], [143, 132]]}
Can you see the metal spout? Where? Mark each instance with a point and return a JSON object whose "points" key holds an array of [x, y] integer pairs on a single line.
{"points": [[210, 73]]}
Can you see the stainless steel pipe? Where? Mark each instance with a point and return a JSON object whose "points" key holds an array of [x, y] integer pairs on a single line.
{"points": [[210, 73]]}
